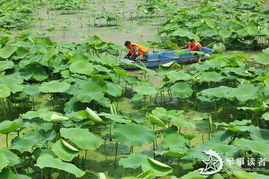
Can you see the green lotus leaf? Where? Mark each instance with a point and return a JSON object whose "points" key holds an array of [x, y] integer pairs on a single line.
{"points": [[174, 141], [241, 174], [145, 89], [63, 152], [32, 91], [69, 146], [33, 138], [193, 175], [178, 75], [56, 118], [7, 51], [215, 63], [9, 174], [182, 122], [181, 90], [225, 34], [265, 116], [176, 152], [133, 134], [246, 91], [160, 112], [261, 58], [266, 51], [120, 71], [48, 161], [4, 160], [92, 115], [13, 82], [254, 146], [82, 138], [171, 45], [101, 176], [13, 159], [49, 53], [155, 120], [211, 76], [9, 126], [258, 134], [38, 73], [116, 118], [54, 86], [156, 168], [236, 126], [132, 161], [218, 92], [81, 67], [114, 90], [4, 91], [6, 65]]}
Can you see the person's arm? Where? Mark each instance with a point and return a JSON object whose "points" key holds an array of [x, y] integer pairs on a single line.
{"points": [[136, 50]]}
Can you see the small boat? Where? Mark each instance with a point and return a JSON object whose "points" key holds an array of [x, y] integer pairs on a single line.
{"points": [[156, 59]]}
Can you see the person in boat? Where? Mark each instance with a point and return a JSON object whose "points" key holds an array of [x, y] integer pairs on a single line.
{"points": [[137, 52], [194, 46]]}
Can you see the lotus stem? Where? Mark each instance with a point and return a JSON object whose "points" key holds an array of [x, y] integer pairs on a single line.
{"points": [[7, 140], [105, 149], [116, 154], [132, 149]]}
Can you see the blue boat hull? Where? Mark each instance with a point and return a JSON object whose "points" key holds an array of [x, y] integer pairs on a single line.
{"points": [[156, 59]]}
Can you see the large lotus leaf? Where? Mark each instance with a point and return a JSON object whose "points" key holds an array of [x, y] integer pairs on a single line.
{"points": [[6, 65], [156, 168], [45, 115], [246, 91], [7, 51], [9, 174], [155, 120], [38, 73], [54, 86], [91, 89], [145, 89], [36, 114], [133, 134], [175, 153], [63, 152], [9, 126], [211, 76], [261, 58], [120, 71], [116, 118], [258, 134], [225, 34], [193, 175], [133, 161], [33, 138], [13, 82], [181, 90], [114, 89], [13, 159], [81, 138], [49, 52], [265, 116], [4, 91], [182, 122], [174, 141], [32, 91], [160, 112], [47, 160], [254, 146], [215, 63], [218, 92], [81, 67], [4, 160], [236, 126], [178, 75]]}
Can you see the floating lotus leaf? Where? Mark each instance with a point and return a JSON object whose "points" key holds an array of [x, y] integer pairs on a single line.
{"points": [[133, 134], [9, 126], [155, 120], [254, 146], [174, 141], [4, 91], [82, 138], [63, 152], [211, 76], [156, 168], [261, 58], [4, 160], [6, 65], [132, 161], [182, 90], [246, 91], [7, 51], [13, 159], [47, 160], [81, 67], [178, 75], [54, 86]]}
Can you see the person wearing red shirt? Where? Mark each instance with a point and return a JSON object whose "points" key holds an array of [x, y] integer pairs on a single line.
{"points": [[137, 52], [194, 46]]}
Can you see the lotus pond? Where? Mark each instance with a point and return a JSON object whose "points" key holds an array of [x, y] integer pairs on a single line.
{"points": [[69, 110]]}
